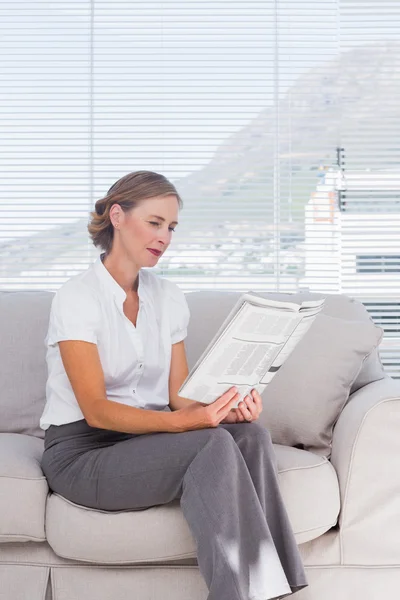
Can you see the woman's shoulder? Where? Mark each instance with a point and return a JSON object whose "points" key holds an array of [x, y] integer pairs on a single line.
{"points": [[75, 314], [80, 289]]}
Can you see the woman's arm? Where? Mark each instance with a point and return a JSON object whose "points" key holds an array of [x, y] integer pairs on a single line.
{"points": [[84, 370], [180, 402]]}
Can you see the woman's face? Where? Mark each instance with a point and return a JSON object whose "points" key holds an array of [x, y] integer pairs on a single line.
{"points": [[148, 226]]}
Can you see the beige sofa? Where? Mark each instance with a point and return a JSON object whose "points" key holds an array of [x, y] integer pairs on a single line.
{"points": [[345, 510]]}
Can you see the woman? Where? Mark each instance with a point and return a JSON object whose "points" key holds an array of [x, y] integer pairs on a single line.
{"points": [[116, 360]]}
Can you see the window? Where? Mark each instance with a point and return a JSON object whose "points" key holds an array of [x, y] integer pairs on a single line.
{"points": [[369, 263], [275, 119], [387, 316]]}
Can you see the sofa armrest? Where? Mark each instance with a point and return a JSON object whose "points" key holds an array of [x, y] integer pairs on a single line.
{"points": [[366, 456]]}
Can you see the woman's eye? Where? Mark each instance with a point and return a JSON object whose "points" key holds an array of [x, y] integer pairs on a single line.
{"points": [[159, 225]]}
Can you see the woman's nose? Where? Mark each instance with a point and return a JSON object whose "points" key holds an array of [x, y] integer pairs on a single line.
{"points": [[164, 236]]}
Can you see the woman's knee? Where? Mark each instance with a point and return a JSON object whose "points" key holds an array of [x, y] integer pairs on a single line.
{"points": [[218, 438], [255, 431], [219, 435], [260, 429]]}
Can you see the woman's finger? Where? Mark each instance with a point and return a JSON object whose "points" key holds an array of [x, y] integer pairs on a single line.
{"points": [[248, 409], [252, 407], [257, 399], [239, 415], [246, 416]]}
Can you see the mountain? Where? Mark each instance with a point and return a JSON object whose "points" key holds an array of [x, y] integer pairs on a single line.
{"points": [[349, 102]]}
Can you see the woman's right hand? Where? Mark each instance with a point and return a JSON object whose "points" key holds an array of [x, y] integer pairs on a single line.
{"points": [[201, 416]]}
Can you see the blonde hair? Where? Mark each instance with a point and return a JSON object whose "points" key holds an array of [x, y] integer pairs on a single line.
{"points": [[128, 192]]}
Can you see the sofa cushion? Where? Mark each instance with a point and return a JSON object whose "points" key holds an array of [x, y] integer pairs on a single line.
{"points": [[23, 489], [306, 396], [24, 318], [309, 487]]}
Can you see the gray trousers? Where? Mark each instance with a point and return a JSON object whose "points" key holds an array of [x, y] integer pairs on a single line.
{"points": [[225, 478]]}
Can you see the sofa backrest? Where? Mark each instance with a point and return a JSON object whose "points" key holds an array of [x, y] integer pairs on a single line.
{"points": [[24, 318]]}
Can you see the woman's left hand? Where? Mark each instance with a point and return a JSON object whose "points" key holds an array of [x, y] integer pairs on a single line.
{"points": [[249, 409]]}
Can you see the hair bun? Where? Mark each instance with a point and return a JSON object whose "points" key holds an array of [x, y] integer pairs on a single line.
{"points": [[99, 208]]}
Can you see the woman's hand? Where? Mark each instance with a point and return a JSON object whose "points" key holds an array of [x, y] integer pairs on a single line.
{"points": [[200, 416], [249, 409]]}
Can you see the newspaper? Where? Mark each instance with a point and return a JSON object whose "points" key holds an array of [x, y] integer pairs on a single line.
{"points": [[249, 348]]}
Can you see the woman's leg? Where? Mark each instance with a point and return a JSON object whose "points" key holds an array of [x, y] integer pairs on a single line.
{"points": [[255, 444], [234, 531], [206, 470]]}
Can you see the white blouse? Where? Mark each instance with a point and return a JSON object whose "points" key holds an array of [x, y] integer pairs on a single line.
{"points": [[135, 360]]}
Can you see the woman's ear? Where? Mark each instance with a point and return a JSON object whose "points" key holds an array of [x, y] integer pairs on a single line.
{"points": [[115, 215]]}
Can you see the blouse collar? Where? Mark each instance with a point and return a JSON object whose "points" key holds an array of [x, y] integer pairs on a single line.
{"points": [[111, 284]]}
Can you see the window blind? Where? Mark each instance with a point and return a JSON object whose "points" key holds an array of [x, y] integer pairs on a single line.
{"points": [[276, 120], [369, 201]]}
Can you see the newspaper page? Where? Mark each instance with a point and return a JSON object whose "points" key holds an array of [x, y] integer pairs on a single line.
{"points": [[249, 348]]}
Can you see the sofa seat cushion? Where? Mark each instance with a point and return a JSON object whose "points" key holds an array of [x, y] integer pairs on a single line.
{"points": [[23, 489], [309, 486]]}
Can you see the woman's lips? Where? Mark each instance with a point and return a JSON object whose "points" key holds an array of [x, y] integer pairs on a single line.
{"points": [[155, 252]]}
